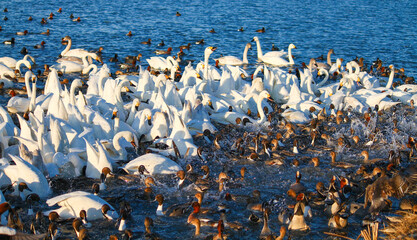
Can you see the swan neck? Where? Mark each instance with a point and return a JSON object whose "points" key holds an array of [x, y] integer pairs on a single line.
{"points": [[390, 79], [245, 55], [67, 48], [260, 110], [329, 58], [27, 84], [326, 77], [258, 49], [290, 55], [32, 97], [116, 143], [206, 59]]}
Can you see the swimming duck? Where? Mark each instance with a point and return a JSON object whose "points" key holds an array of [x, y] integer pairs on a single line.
{"points": [[22, 33], [161, 52], [298, 221], [298, 187], [262, 30], [173, 211], [129, 34], [9, 42], [147, 42], [41, 45]]}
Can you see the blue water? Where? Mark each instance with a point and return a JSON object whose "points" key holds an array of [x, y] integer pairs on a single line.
{"points": [[369, 29]]}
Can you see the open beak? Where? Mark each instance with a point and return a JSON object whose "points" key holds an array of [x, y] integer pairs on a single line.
{"points": [[133, 144]]}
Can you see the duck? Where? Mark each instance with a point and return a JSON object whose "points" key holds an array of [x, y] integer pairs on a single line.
{"points": [[173, 211], [9, 42], [72, 203], [129, 34], [147, 42], [266, 231], [78, 19], [161, 52], [298, 187], [234, 61], [46, 33], [154, 163], [22, 33], [298, 222], [262, 30], [338, 221], [41, 45]]}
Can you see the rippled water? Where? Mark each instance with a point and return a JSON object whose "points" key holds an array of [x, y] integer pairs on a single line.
{"points": [[369, 29]]}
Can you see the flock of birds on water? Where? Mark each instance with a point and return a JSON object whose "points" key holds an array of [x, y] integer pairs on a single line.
{"points": [[68, 160]]}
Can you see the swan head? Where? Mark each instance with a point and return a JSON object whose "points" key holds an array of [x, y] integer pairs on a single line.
{"points": [[248, 45], [292, 46], [66, 38], [209, 50], [255, 39]]}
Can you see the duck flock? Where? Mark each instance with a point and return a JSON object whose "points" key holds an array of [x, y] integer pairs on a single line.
{"points": [[287, 150]]}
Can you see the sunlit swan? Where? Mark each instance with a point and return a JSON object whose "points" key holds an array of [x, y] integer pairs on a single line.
{"points": [[72, 203], [232, 60], [121, 151], [230, 117], [96, 160], [154, 163]]}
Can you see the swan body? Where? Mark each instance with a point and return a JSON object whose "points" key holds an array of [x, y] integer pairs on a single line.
{"points": [[72, 203], [160, 63], [234, 61], [154, 163]]}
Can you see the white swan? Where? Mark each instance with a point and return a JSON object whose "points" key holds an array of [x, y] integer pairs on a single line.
{"points": [[71, 67], [72, 203], [232, 60], [230, 117], [160, 63], [96, 160], [19, 104], [26, 172], [268, 54], [273, 59], [121, 151], [11, 62], [78, 52], [154, 163]]}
